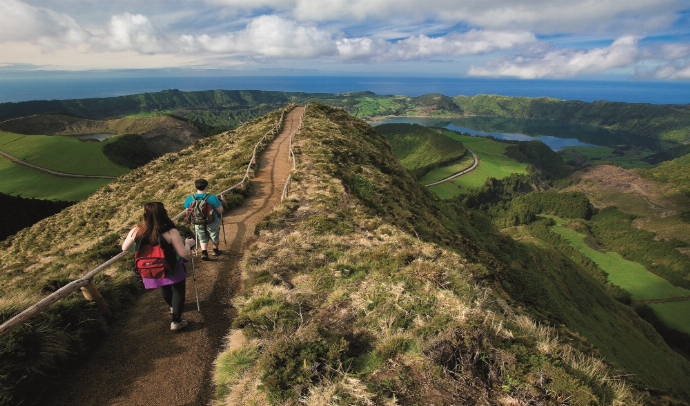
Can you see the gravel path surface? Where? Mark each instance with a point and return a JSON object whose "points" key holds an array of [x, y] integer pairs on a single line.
{"points": [[143, 362]]}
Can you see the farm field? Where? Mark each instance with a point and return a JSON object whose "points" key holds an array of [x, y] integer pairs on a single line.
{"points": [[444, 172], [634, 278], [21, 181], [61, 153], [493, 164]]}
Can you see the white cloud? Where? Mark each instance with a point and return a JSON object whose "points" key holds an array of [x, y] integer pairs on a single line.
{"points": [[553, 16], [22, 22], [376, 33], [562, 63], [672, 72], [421, 47], [269, 36], [132, 32], [470, 43], [362, 49]]}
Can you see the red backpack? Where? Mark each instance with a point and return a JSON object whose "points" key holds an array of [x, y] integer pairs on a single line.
{"points": [[149, 260]]}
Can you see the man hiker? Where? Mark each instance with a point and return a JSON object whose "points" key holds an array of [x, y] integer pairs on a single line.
{"points": [[204, 210]]}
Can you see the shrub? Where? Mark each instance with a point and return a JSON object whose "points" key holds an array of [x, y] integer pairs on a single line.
{"points": [[295, 362]]}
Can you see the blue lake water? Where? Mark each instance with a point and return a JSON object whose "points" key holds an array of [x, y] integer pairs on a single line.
{"points": [[99, 137], [15, 87], [555, 143]]}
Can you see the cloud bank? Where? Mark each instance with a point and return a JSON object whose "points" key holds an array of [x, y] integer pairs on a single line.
{"points": [[491, 38]]}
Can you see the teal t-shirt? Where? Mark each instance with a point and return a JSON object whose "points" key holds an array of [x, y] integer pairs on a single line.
{"points": [[213, 200]]}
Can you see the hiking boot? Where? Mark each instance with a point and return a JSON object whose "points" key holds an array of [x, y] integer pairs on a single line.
{"points": [[216, 252], [204, 255], [175, 326]]}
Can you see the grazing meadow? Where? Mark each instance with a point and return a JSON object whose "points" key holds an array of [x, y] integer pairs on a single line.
{"points": [[493, 163], [637, 280], [61, 153]]}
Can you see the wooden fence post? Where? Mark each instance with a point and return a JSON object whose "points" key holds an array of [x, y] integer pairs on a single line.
{"points": [[91, 293]]}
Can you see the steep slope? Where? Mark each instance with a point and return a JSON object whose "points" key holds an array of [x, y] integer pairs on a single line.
{"points": [[363, 289], [421, 149], [41, 259]]}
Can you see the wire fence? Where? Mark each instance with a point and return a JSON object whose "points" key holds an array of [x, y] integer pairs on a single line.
{"points": [[86, 284], [286, 188]]}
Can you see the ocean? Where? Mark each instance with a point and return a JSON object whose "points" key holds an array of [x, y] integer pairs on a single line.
{"points": [[75, 86]]}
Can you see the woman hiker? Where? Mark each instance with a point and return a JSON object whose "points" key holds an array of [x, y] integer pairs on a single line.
{"points": [[157, 229]]}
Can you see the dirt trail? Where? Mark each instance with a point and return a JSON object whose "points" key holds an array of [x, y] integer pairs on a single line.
{"points": [[143, 362]]}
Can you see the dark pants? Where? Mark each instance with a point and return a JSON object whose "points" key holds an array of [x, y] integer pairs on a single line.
{"points": [[174, 297]]}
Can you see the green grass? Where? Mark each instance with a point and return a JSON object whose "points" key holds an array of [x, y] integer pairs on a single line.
{"points": [[370, 106], [675, 314], [444, 172], [61, 153], [21, 181], [631, 276], [636, 279], [630, 159], [493, 164], [151, 114]]}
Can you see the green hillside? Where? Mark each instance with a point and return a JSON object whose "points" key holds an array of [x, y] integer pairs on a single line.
{"points": [[675, 173], [39, 260], [670, 123], [61, 153], [361, 288], [658, 127], [400, 290], [421, 149]]}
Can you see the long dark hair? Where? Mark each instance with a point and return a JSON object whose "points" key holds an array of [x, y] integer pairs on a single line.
{"points": [[156, 222]]}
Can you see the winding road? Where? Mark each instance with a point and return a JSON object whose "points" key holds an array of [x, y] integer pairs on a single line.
{"points": [[457, 174], [50, 171], [143, 363]]}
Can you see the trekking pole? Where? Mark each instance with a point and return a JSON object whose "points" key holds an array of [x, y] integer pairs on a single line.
{"points": [[222, 224], [196, 242], [196, 291]]}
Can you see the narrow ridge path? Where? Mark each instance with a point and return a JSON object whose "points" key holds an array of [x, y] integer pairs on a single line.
{"points": [[142, 362]]}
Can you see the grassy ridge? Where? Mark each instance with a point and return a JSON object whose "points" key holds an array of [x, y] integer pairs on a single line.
{"points": [[39, 260], [228, 108], [421, 149], [363, 289], [664, 122], [675, 173]]}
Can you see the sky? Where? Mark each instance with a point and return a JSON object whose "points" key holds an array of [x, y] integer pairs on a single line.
{"points": [[525, 39]]}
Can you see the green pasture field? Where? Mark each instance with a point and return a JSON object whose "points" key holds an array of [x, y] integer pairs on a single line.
{"points": [[370, 106], [632, 158], [18, 180], [493, 164], [636, 279], [151, 114], [61, 153], [674, 314], [446, 171]]}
